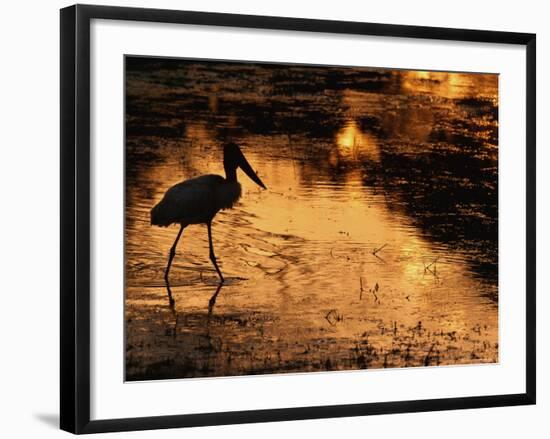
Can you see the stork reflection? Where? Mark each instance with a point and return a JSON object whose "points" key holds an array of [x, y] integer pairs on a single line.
{"points": [[212, 301]]}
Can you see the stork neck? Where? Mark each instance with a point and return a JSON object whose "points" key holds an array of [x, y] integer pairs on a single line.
{"points": [[231, 173]]}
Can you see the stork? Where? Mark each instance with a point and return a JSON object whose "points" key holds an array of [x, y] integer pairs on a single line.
{"points": [[199, 199]]}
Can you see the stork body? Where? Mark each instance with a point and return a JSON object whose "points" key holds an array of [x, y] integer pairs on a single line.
{"points": [[199, 199], [196, 201]]}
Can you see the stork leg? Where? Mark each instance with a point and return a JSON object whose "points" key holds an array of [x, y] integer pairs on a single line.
{"points": [[212, 255], [170, 259]]}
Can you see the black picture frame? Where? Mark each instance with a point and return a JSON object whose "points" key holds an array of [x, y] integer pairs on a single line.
{"points": [[75, 217]]}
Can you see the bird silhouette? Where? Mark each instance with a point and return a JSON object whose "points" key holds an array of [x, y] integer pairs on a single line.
{"points": [[199, 199]]}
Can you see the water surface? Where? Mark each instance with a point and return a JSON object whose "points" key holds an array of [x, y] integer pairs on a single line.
{"points": [[374, 246]]}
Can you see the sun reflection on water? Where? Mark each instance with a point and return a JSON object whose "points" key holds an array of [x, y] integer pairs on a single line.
{"points": [[352, 143]]}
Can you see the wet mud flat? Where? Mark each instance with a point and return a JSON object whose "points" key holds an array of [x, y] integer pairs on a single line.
{"points": [[171, 344], [375, 245]]}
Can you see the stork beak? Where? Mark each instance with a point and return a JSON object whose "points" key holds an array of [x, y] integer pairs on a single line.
{"points": [[245, 166]]}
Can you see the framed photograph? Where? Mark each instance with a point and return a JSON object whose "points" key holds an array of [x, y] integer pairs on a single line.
{"points": [[268, 218]]}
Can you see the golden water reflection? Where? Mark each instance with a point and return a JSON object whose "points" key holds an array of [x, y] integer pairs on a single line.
{"points": [[355, 144], [328, 269], [442, 84]]}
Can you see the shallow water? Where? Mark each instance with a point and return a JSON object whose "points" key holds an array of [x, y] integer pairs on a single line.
{"points": [[375, 244]]}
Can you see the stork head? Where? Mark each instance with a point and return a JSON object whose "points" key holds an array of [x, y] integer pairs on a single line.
{"points": [[233, 158]]}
